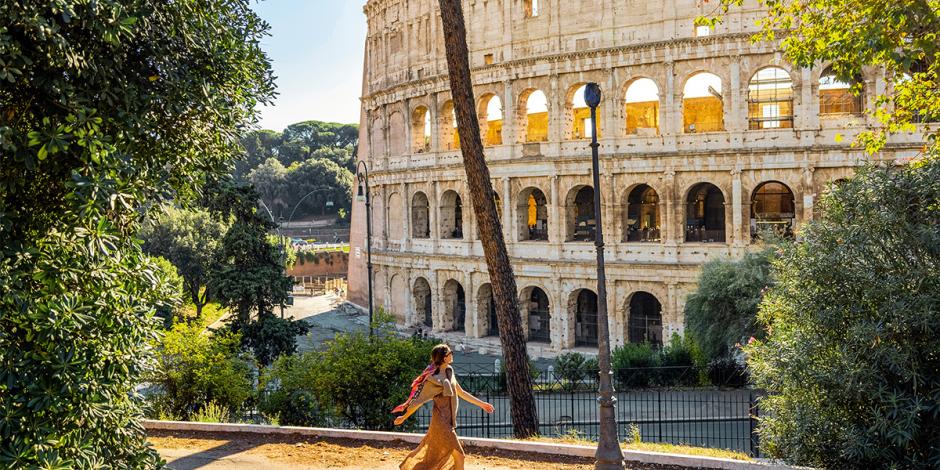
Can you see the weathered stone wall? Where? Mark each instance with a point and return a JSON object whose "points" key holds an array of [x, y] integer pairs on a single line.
{"points": [[613, 43]]}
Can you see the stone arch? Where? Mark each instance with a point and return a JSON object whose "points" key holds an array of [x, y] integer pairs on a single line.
{"points": [[421, 129], [644, 319], [377, 136], [451, 215], [490, 114], [578, 114], [447, 133], [773, 208], [486, 311], [705, 214], [394, 219], [396, 134], [837, 97], [641, 107], [536, 309], [580, 220], [702, 103], [420, 216], [770, 99], [533, 115], [582, 307], [532, 215], [399, 304], [642, 217], [455, 306], [423, 303]]}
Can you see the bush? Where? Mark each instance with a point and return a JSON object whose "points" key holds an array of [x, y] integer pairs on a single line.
{"points": [[572, 369], [639, 365], [632, 364], [722, 311], [678, 360], [355, 379], [195, 369], [852, 360], [727, 371]]}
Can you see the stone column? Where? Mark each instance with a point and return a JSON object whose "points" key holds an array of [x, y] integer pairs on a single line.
{"points": [[410, 319], [435, 211], [509, 114], [673, 317], [506, 200], [809, 198], [611, 221], [808, 114], [738, 238], [673, 224], [735, 111], [669, 106], [406, 214], [437, 301], [556, 111], [471, 322]]}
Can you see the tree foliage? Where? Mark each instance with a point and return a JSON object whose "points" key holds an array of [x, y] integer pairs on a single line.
{"points": [[107, 108], [852, 357], [190, 239], [722, 312]]}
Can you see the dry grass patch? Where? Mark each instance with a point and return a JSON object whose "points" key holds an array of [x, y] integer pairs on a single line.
{"points": [[574, 438]]}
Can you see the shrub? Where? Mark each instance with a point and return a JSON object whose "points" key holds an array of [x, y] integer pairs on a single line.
{"points": [[632, 364], [569, 368], [723, 309], [678, 361], [727, 371], [194, 369], [851, 360], [290, 391]]}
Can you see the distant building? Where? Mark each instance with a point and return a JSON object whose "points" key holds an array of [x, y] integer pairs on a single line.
{"points": [[706, 139]]}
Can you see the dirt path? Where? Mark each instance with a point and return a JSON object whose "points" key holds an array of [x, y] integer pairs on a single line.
{"points": [[186, 451]]}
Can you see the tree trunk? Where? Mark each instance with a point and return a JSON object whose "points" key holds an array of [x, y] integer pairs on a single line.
{"points": [[502, 280]]}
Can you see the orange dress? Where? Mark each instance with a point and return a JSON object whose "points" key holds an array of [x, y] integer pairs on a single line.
{"points": [[440, 449]]}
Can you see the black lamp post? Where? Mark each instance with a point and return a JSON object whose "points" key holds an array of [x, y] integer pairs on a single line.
{"points": [[608, 456], [362, 174]]}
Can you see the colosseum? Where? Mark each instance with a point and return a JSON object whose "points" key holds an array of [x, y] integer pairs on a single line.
{"points": [[707, 139]]}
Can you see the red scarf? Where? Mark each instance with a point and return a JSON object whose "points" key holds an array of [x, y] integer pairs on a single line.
{"points": [[415, 388]]}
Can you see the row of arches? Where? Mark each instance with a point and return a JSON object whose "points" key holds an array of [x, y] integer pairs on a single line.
{"points": [[643, 310], [770, 105], [772, 204]]}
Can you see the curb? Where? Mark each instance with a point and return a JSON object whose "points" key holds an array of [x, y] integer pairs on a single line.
{"points": [[501, 444]]}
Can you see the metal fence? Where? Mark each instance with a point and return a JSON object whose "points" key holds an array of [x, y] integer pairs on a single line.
{"points": [[567, 406]]}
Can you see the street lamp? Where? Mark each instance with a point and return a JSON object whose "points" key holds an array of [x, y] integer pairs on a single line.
{"points": [[608, 456], [362, 175]]}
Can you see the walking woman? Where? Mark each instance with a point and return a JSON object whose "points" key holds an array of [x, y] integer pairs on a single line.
{"points": [[440, 449]]}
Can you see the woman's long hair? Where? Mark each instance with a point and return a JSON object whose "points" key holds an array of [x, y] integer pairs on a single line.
{"points": [[437, 360]]}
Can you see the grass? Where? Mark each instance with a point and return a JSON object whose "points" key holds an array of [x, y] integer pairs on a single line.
{"points": [[575, 438], [211, 312]]}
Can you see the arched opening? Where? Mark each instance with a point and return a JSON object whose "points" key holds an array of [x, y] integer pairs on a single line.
{"points": [[532, 211], [451, 215], [772, 210], [535, 120], [705, 216], [642, 107], [770, 99], [583, 303], [422, 302], [447, 127], [398, 291], [486, 310], [702, 104], [641, 220], [394, 219], [377, 136], [535, 302], [836, 96], [491, 120], [455, 306], [646, 319], [421, 130], [579, 114], [579, 213], [420, 224], [396, 134]]}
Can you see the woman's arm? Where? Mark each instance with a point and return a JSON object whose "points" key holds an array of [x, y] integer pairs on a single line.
{"points": [[410, 411], [465, 395]]}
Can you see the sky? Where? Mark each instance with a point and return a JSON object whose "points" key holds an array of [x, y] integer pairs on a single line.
{"points": [[316, 49]]}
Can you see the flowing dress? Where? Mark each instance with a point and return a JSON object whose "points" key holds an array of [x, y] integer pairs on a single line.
{"points": [[440, 449]]}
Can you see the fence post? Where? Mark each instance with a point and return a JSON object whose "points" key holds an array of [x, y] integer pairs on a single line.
{"points": [[755, 412], [659, 414]]}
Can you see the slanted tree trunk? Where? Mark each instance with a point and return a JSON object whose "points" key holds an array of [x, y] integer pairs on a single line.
{"points": [[502, 280]]}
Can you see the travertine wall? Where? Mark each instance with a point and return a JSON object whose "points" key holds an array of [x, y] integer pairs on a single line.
{"points": [[613, 43]]}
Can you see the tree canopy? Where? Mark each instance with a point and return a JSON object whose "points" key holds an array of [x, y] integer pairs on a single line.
{"points": [[107, 109]]}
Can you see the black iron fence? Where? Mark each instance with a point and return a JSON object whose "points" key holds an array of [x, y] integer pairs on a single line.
{"points": [[567, 407]]}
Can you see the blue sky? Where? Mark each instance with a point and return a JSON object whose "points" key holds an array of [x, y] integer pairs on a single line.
{"points": [[316, 49]]}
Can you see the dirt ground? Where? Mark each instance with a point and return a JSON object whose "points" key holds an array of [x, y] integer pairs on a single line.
{"points": [[185, 451]]}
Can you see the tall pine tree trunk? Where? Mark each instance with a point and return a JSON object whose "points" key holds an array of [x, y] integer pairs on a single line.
{"points": [[502, 280]]}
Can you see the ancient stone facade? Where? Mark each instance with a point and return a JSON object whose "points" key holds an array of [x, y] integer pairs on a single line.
{"points": [[705, 139]]}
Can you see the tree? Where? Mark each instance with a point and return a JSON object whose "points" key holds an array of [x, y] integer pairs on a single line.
{"points": [[107, 109], [330, 182], [270, 180], [722, 311], [512, 339], [168, 308], [852, 356], [190, 239]]}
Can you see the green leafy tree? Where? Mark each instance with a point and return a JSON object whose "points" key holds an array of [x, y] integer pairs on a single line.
{"points": [[270, 180], [190, 239], [270, 337], [194, 369], [107, 109], [331, 183], [852, 356], [722, 312], [168, 307]]}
